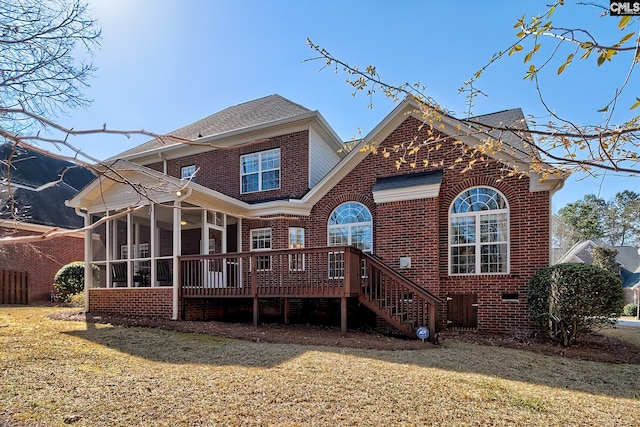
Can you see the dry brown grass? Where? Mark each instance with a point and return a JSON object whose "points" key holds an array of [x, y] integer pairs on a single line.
{"points": [[119, 376], [624, 333]]}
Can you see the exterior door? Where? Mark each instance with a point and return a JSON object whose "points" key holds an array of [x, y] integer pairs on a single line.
{"points": [[462, 310], [214, 276], [233, 263]]}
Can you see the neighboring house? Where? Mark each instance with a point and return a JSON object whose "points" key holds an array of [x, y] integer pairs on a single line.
{"points": [[628, 258], [266, 218], [30, 204]]}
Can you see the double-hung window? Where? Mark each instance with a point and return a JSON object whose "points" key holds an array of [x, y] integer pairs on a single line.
{"points": [[261, 241], [296, 241], [188, 173], [479, 232], [260, 171]]}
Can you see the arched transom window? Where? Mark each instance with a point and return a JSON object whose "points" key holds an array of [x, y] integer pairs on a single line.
{"points": [[479, 232], [350, 224]]}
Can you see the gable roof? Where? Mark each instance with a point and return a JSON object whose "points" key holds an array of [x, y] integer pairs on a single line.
{"points": [[303, 206], [579, 252], [513, 118], [628, 257], [450, 126], [270, 109], [40, 185]]}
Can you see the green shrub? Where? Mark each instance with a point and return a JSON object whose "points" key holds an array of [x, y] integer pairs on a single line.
{"points": [[77, 300], [569, 299], [630, 309], [69, 280]]}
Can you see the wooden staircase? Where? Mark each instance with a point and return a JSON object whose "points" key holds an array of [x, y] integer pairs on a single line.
{"points": [[403, 304]]}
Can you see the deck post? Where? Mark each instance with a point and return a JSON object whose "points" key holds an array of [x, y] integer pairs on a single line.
{"points": [[433, 311], [256, 310], [254, 290], [343, 316], [347, 271], [286, 311]]}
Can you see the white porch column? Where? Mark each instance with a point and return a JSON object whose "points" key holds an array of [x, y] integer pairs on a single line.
{"points": [[88, 257], [177, 247], [177, 235]]}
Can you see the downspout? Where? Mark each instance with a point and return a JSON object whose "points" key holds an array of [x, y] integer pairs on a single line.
{"points": [[88, 276], [164, 163], [177, 244]]}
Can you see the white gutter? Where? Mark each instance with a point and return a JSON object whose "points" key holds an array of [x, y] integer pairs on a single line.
{"points": [[221, 136]]}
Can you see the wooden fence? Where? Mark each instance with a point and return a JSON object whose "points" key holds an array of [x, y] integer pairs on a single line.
{"points": [[14, 287]]}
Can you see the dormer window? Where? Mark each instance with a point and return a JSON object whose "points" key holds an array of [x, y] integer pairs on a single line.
{"points": [[260, 171], [188, 173]]}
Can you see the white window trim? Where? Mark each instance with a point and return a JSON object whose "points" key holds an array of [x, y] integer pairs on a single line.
{"points": [[190, 176], [478, 244], [291, 246], [349, 239], [251, 234], [350, 226], [260, 171]]}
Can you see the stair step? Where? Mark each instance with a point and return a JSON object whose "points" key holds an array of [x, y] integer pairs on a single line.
{"points": [[401, 315]]}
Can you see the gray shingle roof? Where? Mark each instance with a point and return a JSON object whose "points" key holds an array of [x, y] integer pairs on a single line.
{"points": [[409, 180], [31, 170], [513, 118], [260, 111]]}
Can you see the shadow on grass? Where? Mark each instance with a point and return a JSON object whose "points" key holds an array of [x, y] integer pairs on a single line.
{"points": [[171, 347]]}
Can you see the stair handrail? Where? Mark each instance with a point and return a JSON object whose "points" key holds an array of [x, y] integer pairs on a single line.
{"points": [[406, 281]]}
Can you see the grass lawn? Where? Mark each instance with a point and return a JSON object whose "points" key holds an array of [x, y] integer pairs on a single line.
{"points": [[124, 376]]}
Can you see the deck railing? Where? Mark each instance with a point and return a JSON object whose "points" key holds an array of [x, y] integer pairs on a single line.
{"points": [[397, 299], [342, 271], [305, 272]]}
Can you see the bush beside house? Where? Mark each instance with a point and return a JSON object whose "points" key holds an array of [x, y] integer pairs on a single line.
{"points": [[569, 299]]}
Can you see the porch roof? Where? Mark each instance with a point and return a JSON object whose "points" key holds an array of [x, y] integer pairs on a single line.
{"points": [[125, 184]]}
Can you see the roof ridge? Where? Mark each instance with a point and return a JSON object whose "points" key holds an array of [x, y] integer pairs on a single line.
{"points": [[264, 110]]}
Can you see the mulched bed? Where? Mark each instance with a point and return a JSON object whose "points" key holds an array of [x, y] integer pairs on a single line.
{"points": [[593, 346]]}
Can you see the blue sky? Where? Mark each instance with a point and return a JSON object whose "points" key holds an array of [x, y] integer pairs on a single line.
{"points": [[164, 64]]}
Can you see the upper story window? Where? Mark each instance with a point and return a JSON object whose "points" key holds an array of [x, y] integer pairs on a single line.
{"points": [[188, 172], [479, 232], [260, 171]]}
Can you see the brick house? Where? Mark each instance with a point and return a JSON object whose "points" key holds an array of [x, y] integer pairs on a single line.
{"points": [[627, 257], [265, 217], [26, 208]]}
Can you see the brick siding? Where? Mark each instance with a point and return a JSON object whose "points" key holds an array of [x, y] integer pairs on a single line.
{"points": [[154, 302], [41, 260], [416, 228], [220, 169]]}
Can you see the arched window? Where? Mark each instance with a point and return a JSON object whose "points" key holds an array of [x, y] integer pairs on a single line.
{"points": [[350, 224], [479, 232]]}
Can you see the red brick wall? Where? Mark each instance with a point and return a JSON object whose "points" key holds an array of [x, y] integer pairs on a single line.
{"points": [[419, 229], [220, 169], [41, 259], [154, 302]]}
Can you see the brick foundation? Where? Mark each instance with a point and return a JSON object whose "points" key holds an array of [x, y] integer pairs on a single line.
{"points": [[153, 302]]}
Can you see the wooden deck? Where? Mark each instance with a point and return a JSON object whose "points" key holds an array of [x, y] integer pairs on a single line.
{"points": [[328, 272]]}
